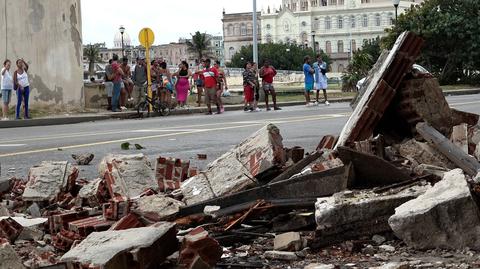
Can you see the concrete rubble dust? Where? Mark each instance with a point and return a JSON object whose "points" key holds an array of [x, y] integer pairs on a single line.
{"points": [[398, 188]]}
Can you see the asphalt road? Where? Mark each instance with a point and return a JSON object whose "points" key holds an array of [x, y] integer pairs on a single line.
{"points": [[176, 136]]}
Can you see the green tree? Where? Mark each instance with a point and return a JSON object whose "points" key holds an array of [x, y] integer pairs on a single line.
{"points": [[92, 53], [200, 45], [451, 30], [362, 61], [282, 56]]}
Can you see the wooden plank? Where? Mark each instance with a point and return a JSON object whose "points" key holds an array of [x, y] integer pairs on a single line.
{"points": [[466, 162]]}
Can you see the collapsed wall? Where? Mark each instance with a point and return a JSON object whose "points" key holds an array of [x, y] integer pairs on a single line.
{"points": [[48, 35]]}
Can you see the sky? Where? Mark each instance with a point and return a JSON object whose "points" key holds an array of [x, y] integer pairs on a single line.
{"points": [[169, 20]]}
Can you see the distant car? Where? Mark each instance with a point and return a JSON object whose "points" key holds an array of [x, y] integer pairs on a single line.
{"points": [[417, 71]]}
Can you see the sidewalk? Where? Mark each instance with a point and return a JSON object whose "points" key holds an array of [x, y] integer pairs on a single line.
{"points": [[78, 118]]}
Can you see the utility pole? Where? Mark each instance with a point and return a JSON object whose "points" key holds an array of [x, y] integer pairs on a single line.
{"points": [[255, 32]]}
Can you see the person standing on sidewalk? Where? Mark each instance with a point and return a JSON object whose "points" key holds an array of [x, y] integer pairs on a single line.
{"points": [[117, 83], [140, 78], [267, 73], [182, 85], [6, 87], [22, 85], [248, 87], [211, 80], [256, 90], [308, 71], [221, 85], [199, 81], [109, 83], [320, 68]]}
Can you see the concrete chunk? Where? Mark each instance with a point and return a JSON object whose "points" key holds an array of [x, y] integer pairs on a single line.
{"points": [[280, 255], [288, 241], [348, 215], [157, 207], [235, 170], [48, 180], [8, 257], [446, 216], [128, 175], [141, 248]]}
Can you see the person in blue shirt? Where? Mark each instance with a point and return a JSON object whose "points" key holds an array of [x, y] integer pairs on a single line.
{"points": [[320, 68], [308, 71]]}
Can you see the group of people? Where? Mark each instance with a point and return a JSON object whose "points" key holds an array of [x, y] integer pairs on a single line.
{"points": [[315, 79], [18, 82], [251, 85]]}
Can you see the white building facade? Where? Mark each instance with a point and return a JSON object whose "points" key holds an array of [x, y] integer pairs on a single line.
{"points": [[337, 27]]}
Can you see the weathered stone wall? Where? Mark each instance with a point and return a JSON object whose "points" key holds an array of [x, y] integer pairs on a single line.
{"points": [[48, 35]]}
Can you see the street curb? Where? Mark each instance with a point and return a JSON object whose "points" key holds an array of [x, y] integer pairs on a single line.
{"points": [[194, 110]]}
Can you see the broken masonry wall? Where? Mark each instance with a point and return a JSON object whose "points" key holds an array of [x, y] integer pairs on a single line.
{"points": [[48, 35]]}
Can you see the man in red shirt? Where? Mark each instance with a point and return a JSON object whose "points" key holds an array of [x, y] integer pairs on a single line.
{"points": [[267, 73], [211, 79]]}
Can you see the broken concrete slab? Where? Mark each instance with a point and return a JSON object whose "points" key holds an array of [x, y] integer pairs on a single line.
{"points": [[132, 248], [291, 241], [157, 207], [423, 153], [393, 265], [235, 170], [83, 159], [48, 180], [94, 193], [468, 163], [319, 266], [445, 216], [127, 176], [348, 214], [9, 259]]}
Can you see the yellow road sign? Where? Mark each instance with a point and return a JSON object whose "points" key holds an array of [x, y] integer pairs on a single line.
{"points": [[146, 37]]}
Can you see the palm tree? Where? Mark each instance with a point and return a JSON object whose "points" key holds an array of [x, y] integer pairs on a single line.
{"points": [[200, 45], [92, 52]]}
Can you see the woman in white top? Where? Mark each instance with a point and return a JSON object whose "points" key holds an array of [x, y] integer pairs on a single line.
{"points": [[20, 79], [6, 87]]}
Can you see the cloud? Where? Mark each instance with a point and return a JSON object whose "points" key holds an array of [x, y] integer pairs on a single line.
{"points": [[170, 20]]}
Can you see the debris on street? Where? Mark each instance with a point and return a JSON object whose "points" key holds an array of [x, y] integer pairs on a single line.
{"points": [[398, 188]]}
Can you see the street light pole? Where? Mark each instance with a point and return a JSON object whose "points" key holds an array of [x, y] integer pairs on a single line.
{"points": [[255, 32], [122, 30], [395, 4], [313, 39]]}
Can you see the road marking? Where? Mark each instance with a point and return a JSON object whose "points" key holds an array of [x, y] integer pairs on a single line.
{"points": [[11, 145], [172, 129], [321, 117]]}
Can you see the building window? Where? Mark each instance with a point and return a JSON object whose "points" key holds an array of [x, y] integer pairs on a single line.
{"points": [[324, 3], [249, 29], [377, 20], [231, 51], [352, 22], [286, 26], [243, 29], [340, 46], [366, 1], [341, 2], [340, 23], [390, 18], [328, 47], [332, 2], [341, 68], [269, 38], [303, 37], [304, 23], [236, 29], [269, 26], [314, 3], [354, 45], [365, 21], [328, 23], [230, 30]]}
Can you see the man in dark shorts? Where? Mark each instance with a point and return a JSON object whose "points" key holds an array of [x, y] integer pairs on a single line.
{"points": [[267, 73]]}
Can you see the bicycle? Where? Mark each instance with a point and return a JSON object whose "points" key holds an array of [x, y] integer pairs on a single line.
{"points": [[161, 108]]}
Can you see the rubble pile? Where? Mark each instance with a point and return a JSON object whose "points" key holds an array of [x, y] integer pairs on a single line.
{"points": [[398, 188]]}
